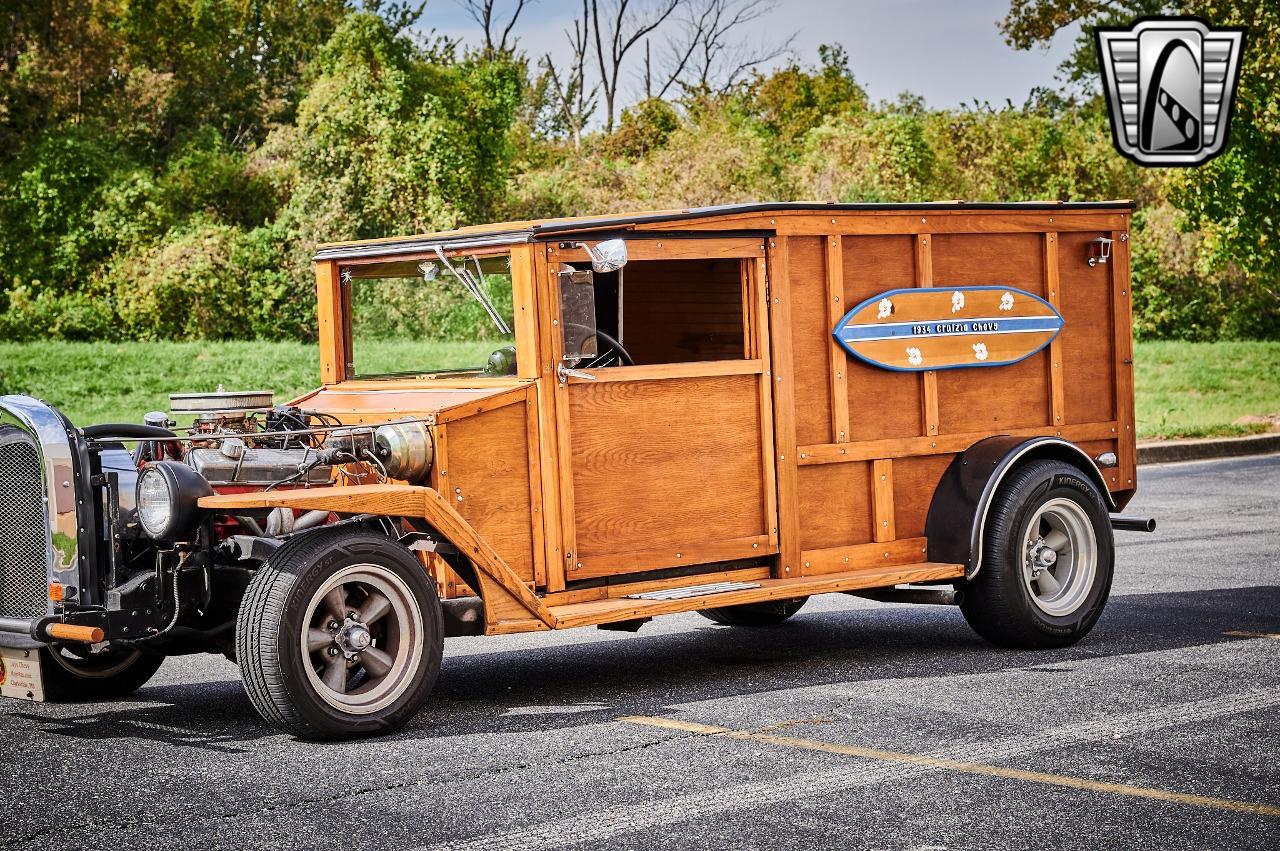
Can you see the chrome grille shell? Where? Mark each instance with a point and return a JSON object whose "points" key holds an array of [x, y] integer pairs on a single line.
{"points": [[24, 528], [29, 426]]}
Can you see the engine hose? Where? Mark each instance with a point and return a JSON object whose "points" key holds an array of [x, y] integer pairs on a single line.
{"points": [[129, 431]]}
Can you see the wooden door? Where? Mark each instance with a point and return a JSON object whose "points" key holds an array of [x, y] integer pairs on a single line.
{"points": [[669, 462]]}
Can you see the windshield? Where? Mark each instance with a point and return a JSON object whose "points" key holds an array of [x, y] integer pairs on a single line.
{"points": [[449, 315]]}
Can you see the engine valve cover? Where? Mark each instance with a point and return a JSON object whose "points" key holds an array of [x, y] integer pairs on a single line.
{"points": [[257, 466]]}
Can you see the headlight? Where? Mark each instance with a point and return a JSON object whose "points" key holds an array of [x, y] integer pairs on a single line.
{"points": [[167, 495]]}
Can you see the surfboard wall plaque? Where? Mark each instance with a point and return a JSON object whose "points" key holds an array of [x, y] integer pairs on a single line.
{"points": [[939, 327]]}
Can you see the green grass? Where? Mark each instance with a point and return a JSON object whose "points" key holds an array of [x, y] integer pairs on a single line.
{"points": [[1201, 389], [1183, 389], [119, 382]]}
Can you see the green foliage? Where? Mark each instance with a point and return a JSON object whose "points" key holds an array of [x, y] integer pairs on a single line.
{"points": [[167, 169]]}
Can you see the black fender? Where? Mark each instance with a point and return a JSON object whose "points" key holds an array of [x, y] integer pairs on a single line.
{"points": [[958, 512]]}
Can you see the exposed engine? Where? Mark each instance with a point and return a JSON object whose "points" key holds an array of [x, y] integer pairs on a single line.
{"points": [[245, 440]]}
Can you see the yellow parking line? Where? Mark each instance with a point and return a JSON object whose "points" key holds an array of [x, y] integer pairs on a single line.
{"points": [[1240, 633], [962, 767]]}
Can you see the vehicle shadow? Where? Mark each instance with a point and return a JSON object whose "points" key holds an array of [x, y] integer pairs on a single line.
{"points": [[585, 683], [544, 687]]}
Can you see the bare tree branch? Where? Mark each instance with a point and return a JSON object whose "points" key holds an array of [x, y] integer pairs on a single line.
{"points": [[708, 56], [575, 102], [498, 37], [625, 25]]}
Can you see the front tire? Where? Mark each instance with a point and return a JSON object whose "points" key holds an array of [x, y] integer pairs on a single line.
{"points": [[340, 635], [1048, 559], [75, 673], [770, 613]]}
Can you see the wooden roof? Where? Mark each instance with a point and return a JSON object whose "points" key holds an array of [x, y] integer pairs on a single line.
{"points": [[498, 233]]}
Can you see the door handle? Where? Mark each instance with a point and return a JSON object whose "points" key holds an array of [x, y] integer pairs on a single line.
{"points": [[565, 373]]}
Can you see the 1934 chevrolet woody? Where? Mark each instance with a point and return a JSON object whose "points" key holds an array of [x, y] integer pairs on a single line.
{"points": [[724, 410]]}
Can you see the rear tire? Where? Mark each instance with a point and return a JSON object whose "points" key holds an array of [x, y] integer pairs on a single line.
{"points": [[340, 635], [73, 673], [1048, 558], [770, 613]]}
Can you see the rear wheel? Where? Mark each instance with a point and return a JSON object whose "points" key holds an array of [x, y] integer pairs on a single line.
{"points": [[340, 635], [1047, 560], [85, 672], [770, 613]]}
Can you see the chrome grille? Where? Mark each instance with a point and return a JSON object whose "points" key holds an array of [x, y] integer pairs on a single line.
{"points": [[24, 530]]}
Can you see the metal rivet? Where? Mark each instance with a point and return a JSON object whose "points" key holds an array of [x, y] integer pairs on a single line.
{"points": [[923, 220], [807, 564]]}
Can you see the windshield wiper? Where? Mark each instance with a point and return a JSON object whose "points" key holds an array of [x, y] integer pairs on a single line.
{"points": [[472, 283]]}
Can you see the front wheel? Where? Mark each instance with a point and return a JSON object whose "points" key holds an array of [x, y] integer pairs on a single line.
{"points": [[86, 672], [1048, 557], [340, 635]]}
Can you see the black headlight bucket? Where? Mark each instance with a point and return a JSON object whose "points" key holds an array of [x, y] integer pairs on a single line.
{"points": [[180, 487]]}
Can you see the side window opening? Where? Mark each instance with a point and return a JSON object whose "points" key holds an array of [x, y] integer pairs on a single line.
{"points": [[671, 311]]}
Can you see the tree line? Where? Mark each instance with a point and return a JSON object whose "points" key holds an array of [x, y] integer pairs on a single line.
{"points": [[166, 169]]}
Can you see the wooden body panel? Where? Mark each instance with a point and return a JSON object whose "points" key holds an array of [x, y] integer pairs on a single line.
{"points": [[489, 484], [806, 469], [653, 462]]}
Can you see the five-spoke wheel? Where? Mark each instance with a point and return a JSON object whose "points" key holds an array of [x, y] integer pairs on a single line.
{"points": [[340, 635], [1046, 562]]}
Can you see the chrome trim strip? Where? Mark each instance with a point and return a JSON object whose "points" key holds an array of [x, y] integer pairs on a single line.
{"points": [[420, 246], [1009, 462]]}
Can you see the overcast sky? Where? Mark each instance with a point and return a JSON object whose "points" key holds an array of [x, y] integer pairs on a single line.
{"points": [[948, 51]]}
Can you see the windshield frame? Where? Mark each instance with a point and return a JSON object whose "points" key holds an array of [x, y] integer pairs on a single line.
{"points": [[337, 362]]}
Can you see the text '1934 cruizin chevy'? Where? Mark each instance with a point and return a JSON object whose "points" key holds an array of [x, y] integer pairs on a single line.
{"points": [[724, 410]]}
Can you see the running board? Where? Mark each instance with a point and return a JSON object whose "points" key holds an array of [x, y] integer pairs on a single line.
{"points": [[693, 591], [650, 604]]}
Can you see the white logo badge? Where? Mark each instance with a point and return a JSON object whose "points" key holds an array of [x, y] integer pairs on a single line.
{"points": [[1169, 84]]}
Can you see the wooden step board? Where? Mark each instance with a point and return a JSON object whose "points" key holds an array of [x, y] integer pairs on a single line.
{"points": [[629, 608]]}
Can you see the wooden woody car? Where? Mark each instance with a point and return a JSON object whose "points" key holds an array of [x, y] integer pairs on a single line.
{"points": [[725, 410]]}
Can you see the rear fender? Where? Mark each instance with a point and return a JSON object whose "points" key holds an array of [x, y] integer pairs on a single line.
{"points": [[958, 512]]}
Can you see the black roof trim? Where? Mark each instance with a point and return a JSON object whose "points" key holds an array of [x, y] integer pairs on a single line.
{"points": [[809, 206], [412, 245]]}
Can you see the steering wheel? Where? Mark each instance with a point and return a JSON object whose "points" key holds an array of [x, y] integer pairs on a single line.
{"points": [[603, 357]]}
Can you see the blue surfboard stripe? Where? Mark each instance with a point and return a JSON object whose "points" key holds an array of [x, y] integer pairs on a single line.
{"points": [[950, 328]]}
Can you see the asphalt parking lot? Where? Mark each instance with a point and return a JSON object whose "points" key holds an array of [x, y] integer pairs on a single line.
{"points": [[856, 725]]}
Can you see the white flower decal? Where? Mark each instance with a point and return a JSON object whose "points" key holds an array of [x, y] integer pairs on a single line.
{"points": [[885, 308], [980, 351], [957, 301], [914, 357], [1006, 301]]}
